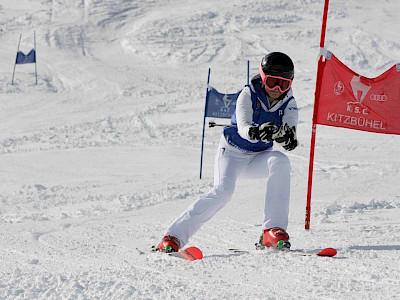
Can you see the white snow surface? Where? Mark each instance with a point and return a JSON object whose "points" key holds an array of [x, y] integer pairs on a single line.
{"points": [[103, 153]]}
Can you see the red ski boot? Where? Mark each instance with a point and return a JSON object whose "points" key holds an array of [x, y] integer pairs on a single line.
{"points": [[275, 237], [169, 244]]}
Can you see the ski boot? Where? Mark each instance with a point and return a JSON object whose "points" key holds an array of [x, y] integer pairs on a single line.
{"points": [[274, 237], [168, 244]]}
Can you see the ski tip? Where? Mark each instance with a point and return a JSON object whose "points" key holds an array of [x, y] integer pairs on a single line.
{"points": [[195, 252], [327, 252]]}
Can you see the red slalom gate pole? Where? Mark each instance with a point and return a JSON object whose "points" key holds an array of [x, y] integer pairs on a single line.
{"points": [[321, 64]]}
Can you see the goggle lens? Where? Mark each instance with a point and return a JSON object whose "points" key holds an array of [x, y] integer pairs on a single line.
{"points": [[273, 82]]}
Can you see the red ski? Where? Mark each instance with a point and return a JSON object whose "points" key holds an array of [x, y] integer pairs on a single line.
{"points": [[191, 254], [329, 252]]}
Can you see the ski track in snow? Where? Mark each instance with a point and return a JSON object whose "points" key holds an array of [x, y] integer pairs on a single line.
{"points": [[100, 156]]}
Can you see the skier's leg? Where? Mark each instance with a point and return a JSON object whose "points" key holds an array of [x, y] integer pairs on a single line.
{"points": [[275, 166], [228, 165]]}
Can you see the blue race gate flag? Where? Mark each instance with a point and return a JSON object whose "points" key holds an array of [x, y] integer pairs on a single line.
{"points": [[26, 59], [29, 58], [219, 105]]}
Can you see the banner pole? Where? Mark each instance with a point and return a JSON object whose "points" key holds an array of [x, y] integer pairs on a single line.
{"points": [[204, 123], [248, 72], [15, 63], [34, 37], [321, 64]]}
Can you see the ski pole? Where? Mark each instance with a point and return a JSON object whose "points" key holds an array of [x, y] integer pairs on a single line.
{"points": [[213, 124]]}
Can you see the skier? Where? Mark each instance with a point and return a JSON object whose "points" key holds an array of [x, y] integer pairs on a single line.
{"points": [[266, 112]]}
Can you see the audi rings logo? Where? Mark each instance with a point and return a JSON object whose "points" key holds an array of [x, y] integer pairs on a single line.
{"points": [[380, 98], [339, 88]]}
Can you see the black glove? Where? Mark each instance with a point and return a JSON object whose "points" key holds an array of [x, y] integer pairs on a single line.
{"points": [[286, 137], [263, 132]]}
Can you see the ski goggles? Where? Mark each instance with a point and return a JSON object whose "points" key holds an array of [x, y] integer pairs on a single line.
{"points": [[275, 82]]}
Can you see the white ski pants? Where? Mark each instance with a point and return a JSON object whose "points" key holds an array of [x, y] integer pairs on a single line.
{"points": [[230, 164]]}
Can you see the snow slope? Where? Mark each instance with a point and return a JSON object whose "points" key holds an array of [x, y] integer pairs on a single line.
{"points": [[100, 156]]}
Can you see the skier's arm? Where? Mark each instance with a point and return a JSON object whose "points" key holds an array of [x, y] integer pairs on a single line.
{"points": [[286, 135], [244, 115], [291, 114]]}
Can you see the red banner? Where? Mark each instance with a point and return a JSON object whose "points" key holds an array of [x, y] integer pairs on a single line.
{"points": [[352, 101]]}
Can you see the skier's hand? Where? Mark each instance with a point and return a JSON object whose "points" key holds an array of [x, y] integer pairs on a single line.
{"points": [[267, 130], [254, 133], [286, 137], [263, 132]]}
